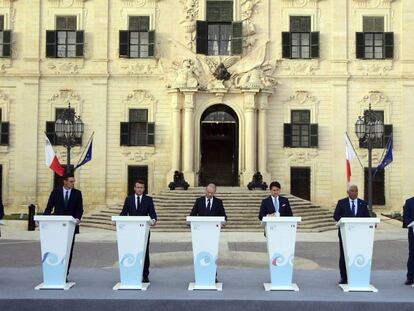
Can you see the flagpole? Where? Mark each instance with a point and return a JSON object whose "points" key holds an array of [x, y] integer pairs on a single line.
{"points": [[359, 160], [84, 149]]}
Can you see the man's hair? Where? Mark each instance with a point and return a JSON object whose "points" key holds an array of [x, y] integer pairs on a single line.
{"points": [[353, 186], [211, 184], [139, 181], [274, 184], [68, 175]]}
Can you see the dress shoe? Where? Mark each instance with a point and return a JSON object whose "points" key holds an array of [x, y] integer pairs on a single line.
{"points": [[343, 281], [409, 282], [145, 280]]}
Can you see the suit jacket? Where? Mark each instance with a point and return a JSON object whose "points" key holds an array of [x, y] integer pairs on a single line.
{"points": [[1, 209], [200, 209], [56, 205], [343, 209], [408, 215], [267, 207], [146, 207]]}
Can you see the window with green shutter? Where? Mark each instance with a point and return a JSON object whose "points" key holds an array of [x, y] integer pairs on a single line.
{"points": [[138, 131], [300, 133], [300, 42], [138, 41], [65, 41]]}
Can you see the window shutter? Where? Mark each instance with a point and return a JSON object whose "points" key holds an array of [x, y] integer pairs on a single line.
{"points": [[151, 42], [360, 45], [124, 138], [387, 134], [5, 133], [6, 43], [51, 43], [389, 45], [201, 37], [50, 132], [219, 11], [123, 43], [80, 39], [237, 38], [314, 136], [150, 133], [286, 44], [287, 135], [315, 44]]}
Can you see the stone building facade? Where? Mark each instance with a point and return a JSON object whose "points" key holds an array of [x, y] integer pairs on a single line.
{"points": [[216, 89]]}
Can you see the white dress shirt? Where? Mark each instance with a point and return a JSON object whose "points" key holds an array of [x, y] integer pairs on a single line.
{"points": [[355, 203], [137, 197], [64, 193], [211, 203]]}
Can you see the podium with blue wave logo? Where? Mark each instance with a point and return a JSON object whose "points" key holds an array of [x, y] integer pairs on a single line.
{"points": [[132, 234], [56, 235], [281, 240], [358, 242], [205, 232]]}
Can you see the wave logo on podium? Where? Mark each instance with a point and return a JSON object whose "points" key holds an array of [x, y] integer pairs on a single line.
{"points": [[281, 269], [359, 271], [205, 269], [130, 268], [54, 270]]}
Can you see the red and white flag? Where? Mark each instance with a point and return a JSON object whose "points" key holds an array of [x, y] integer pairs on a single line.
{"points": [[52, 160], [350, 154]]}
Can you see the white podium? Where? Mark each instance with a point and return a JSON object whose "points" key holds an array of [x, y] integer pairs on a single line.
{"points": [[281, 240], [132, 234], [56, 235], [205, 233], [358, 241]]}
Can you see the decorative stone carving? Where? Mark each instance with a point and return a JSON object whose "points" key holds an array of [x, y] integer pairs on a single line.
{"points": [[5, 64], [138, 156], [302, 98], [376, 99], [191, 9], [186, 76], [299, 67], [373, 3], [248, 9], [140, 68], [139, 3], [301, 156], [65, 66], [377, 67], [301, 3], [65, 96], [67, 3], [140, 97]]}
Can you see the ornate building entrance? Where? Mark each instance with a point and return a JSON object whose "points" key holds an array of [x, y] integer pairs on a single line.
{"points": [[219, 147]]}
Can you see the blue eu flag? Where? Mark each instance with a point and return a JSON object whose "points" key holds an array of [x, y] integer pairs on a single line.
{"points": [[387, 158]]}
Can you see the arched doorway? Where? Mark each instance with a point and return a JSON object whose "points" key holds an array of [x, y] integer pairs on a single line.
{"points": [[219, 146]]}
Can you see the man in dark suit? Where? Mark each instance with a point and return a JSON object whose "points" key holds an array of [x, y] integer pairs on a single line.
{"points": [[209, 205], [348, 207], [408, 219], [274, 204], [66, 201], [1, 211], [139, 204]]}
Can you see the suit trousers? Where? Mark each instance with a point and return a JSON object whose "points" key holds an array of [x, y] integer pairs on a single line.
{"points": [[145, 272], [71, 252], [342, 266], [410, 261]]}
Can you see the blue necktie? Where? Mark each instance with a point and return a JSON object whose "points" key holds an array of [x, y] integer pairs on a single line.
{"points": [[353, 208], [66, 201], [208, 205], [276, 205]]}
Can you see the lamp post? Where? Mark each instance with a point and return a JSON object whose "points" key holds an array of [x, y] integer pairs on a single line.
{"points": [[370, 129], [68, 128]]}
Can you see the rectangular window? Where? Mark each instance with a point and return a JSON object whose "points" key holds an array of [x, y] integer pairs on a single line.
{"points": [[138, 23], [138, 41], [373, 42], [5, 39], [138, 131], [300, 128], [378, 186], [1, 22], [65, 41]]}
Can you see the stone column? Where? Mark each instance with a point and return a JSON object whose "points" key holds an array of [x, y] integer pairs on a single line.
{"points": [[404, 145], [249, 136], [263, 106], [176, 134], [188, 137]]}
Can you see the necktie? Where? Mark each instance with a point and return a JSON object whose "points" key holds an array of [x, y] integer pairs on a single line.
{"points": [[138, 202], [208, 205], [276, 204], [353, 208], [66, 198]]}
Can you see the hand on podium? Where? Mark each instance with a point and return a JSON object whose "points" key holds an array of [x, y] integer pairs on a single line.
{"points": [[77, 221], [153, 222]]}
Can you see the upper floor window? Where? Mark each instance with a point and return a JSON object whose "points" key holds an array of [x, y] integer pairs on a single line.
{"points": [[4, 131], [65, 40], [300, 41], [373, 42], [138, 131], [5, 39], [300, 133], [219, 34], [380, 142], [138, 41]]}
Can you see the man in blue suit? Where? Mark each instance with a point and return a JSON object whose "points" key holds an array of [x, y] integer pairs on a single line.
{"points": [[274, 204], [66, 201], [408, 219], [348, 207], [139, 204]]}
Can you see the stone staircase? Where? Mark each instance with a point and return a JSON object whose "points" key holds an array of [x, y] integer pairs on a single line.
{"points": [[242, 208]]}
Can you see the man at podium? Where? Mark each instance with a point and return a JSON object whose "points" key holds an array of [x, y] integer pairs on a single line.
{"points": [[139, 204], [409, 223], [66, 201], [274, 204], [351, 206], [209, 205]]}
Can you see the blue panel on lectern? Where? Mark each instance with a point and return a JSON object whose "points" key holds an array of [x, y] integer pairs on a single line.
{"points": [[359, 271], [53, 269], [281, 270], [130, 268], [205, 269]]}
